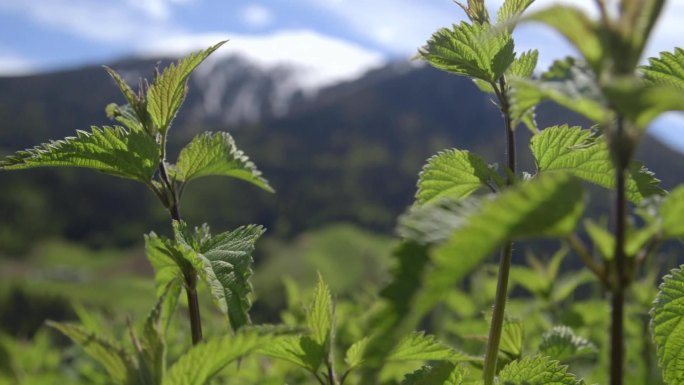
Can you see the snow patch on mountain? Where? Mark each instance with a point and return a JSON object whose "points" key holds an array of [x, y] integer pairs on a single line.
{"points": [[255, 76], [319, 60]]}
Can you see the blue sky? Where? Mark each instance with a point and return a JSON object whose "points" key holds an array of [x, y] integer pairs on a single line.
{"points": [[38, 35]]}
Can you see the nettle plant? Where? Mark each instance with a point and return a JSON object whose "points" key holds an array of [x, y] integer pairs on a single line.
{"points": [[449, 231], [137, 151]]}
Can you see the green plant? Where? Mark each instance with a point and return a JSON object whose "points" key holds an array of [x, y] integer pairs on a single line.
{"points": [[447, 233], [137, 151]]}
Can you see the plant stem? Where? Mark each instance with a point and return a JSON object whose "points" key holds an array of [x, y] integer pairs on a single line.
{"points": [[191, 278], [621, 281], [496, 326], [581, 250], [193, 308]]}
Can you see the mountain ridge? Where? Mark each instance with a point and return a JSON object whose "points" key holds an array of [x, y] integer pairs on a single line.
{"points": [[352, 153]]}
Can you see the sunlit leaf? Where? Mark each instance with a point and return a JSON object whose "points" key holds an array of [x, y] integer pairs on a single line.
{"points": [[203, 361], [225, 266], [586, 155], [561, 343], [548, 205], [667, 69], [302, 351], [511, 10], [216, 154], [112, 150], [668, 326], [536, 370], [118, 364], [454, 174], [510, 347], [320, 316], [167, 92], [475, 50]]}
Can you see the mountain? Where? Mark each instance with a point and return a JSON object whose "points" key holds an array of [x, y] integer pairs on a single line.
{"points": [[345, 152]]}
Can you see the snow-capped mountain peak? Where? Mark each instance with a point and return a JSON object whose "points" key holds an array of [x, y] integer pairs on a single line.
{"points": [[253, 76]]}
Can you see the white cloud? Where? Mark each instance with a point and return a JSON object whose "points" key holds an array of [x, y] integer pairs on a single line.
{"points": [[97, 20], [155, 9], [402, 26], [398, 25], [321, 60], [256, 15]]}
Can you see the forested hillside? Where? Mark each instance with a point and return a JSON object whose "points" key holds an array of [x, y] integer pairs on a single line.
{"points": [[346, 153]]}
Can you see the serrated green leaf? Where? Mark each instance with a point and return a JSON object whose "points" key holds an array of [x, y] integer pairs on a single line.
{"points": [[580, 30], [531, 280], [582, 153], [567, 83], [126, 90], [226, 266], [476, 11], [475, 50], [418, 346], [510, 11], [302, 351], [118, 364], [672, 212], [560, 343], [319, 318], [667, 69], [524, 65], [203, 361], [170, 262], [602, 239], [434, 223], [216, 154], [135, 114], [355, 353], [510, 347], [523, 68], [568, 283], [454, 174], [641, 102], [548, 205], [444, 373], [536, 370], [668, 326], [124, 115], [153, 343], [167, 92], [112, 150], [89, 320], [396, 316]]}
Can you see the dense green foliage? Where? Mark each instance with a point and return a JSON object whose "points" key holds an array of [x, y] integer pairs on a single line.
{"points": [[454, 225]]}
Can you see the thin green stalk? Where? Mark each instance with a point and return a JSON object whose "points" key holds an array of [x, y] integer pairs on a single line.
{"points": [[496, 326], [621, 280], [191, 278]]}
